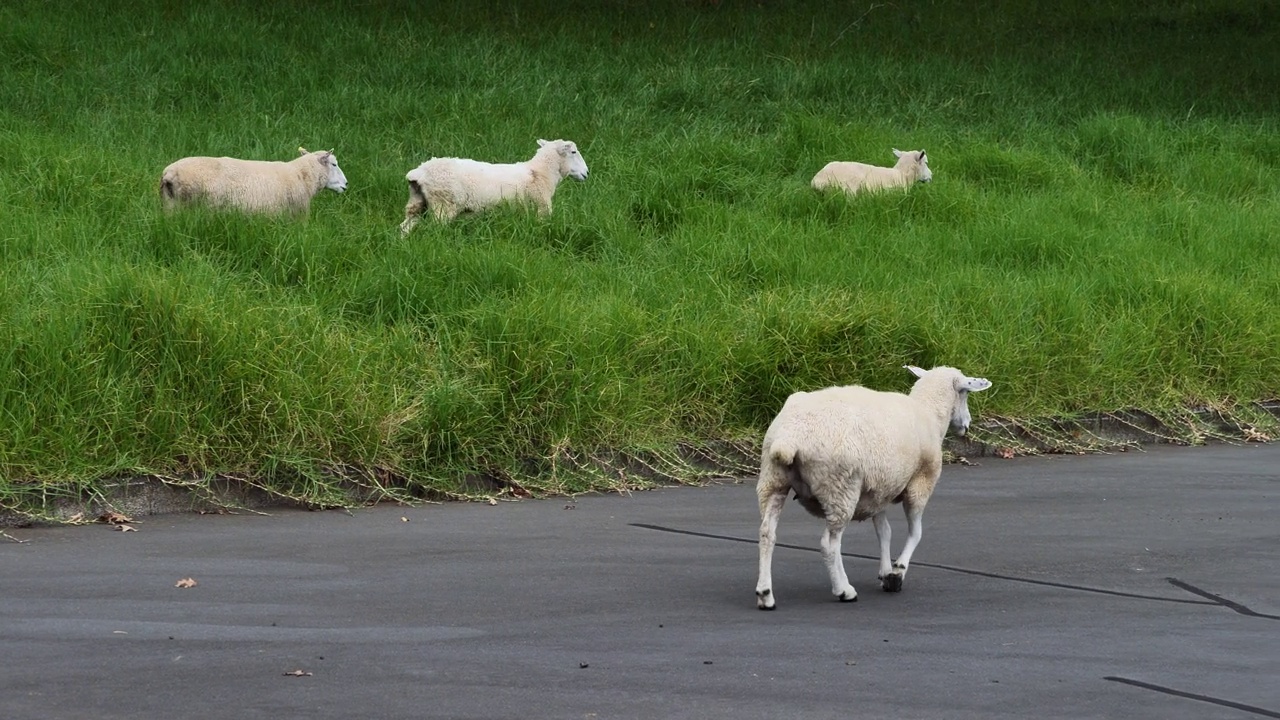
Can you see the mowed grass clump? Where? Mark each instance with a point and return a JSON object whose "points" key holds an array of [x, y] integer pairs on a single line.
{"points": [[1100, 234]]}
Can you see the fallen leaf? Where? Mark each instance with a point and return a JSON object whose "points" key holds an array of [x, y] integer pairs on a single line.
{"points": [[492, 501], [114, 518], [404, 519], [1004, 452], [125, 528], [77, 518], [298, 673], [186, 583]]}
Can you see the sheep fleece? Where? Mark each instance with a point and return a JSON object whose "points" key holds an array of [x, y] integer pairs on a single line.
{"points": [[879, 437], [250, 185]]}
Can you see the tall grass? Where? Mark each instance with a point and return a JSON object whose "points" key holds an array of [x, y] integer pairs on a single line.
{"points": [[1100, 234]]}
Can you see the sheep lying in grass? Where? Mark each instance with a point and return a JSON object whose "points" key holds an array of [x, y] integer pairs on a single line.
{"points": [[853, 177], [847, 453], [453, 185], [254, 186]]}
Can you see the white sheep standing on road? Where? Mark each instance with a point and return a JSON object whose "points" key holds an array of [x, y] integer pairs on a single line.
{"points": [[853, 177], [255, 186], [453, 185], [847, 453]]}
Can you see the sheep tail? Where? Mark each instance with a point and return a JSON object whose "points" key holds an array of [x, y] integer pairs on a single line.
{"points": [[166, 188], [782, 452], [787, 459]]}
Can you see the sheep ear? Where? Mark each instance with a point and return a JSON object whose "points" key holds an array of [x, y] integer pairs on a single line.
{"points": [[302, 150], [921, 156], [541, 142], [918, 372], [897, 153], [974, 384]]}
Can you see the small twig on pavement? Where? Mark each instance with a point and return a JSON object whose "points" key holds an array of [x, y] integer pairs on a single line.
{"points": [[10, 537]]}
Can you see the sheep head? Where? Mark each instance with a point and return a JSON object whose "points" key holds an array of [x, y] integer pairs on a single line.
{"points": [[914, 162], [334, 178], [571, 162], [947, 380]]}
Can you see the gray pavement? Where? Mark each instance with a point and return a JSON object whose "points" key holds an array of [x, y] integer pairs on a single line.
{"points": [[1042, 589]]}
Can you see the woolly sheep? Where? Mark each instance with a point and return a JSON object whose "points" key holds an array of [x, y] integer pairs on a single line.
{"points": [[847, 453], [453, 185], [852, 177], [254, 186]]}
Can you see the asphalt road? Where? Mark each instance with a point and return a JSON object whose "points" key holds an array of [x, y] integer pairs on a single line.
{"points": [[1138, 585]]}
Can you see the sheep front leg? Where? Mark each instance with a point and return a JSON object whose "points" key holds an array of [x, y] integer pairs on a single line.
{"points": [[770, 509], [840, 586], [444, 210], [883, 533], [915, 530]]}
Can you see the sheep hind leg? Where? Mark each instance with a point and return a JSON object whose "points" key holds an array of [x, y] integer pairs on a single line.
{"points": [[410, 222], [414, 209], [771, 503], [168, 195], [840, 586], [915, 530]]}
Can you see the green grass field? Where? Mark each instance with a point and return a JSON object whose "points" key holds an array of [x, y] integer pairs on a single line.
{"points": [[1101, 232]]}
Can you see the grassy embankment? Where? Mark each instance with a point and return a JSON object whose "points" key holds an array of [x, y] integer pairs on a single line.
{"points": [[1101, 233]]}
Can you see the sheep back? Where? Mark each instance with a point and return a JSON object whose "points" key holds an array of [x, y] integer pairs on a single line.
{"points": [[853, 177], [471, 184], [248, 185], [882, 439]]}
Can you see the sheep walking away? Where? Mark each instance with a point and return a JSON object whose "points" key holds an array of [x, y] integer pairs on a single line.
{"points": [[847, 453]]}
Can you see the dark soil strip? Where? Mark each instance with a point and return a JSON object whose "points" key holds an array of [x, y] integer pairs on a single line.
{"points": [[1193, 696]]}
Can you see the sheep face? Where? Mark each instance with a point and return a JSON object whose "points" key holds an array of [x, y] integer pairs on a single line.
{"points": [[920, 160], [571, 162], [336, 180], [961, 385]]}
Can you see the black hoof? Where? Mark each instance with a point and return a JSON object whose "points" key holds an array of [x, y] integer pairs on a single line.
{"points": [[891, 583], [848, 599], [767, 607]]}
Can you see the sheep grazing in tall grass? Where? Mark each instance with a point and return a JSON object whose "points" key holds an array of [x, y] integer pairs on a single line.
{"points": [[847, 453], [854, 177], [450, 186], [252, 186]]}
